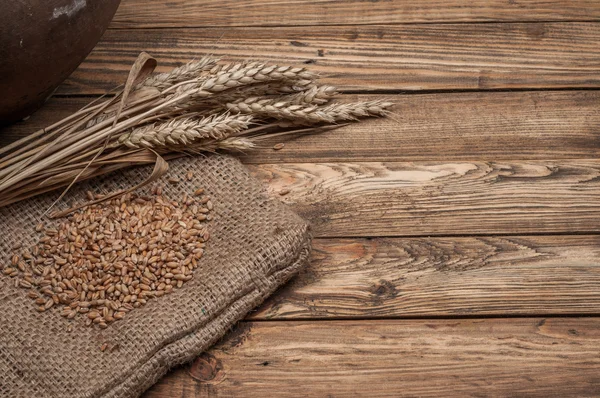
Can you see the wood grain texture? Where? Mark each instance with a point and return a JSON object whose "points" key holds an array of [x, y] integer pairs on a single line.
{"points": [[481, 357], [430, 127], [464, 198], [381, 57], [202, 13], [443, 277]]}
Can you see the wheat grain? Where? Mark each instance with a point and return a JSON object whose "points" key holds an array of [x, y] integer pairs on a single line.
{"points": [[235, 144], [318, 95], [220, 69], [106, 260]]}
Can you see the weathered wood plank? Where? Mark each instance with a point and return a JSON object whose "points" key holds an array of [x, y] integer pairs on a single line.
{"points": [[464, 198], [382, 57], [480, 357], [424, 277], [203, 13], [433, 127]]}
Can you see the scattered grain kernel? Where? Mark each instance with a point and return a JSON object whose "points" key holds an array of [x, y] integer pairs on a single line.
{"points": [[49, 304]]}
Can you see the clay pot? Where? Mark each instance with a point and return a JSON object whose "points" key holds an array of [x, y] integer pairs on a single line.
{"points": [[41, 43]]}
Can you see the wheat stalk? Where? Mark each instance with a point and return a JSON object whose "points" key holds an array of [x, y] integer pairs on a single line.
{"points": [[139, 95], [198, 107]]}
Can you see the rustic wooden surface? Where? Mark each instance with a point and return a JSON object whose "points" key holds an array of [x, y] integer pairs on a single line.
{"points": [[457, 247]]}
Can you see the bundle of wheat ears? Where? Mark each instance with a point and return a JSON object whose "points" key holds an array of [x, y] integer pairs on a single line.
{"points": [[202, 106]]}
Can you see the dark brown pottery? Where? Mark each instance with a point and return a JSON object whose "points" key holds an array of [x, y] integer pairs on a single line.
{"points": [[41, 43]]}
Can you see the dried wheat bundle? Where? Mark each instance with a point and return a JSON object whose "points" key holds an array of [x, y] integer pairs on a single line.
{"points": [[202, 106]]}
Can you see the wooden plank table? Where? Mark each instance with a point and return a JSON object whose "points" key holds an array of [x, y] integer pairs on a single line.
{"points": [[457, 247]]}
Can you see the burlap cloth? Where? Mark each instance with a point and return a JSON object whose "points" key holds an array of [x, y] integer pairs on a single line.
{"points": [[256, 245]]}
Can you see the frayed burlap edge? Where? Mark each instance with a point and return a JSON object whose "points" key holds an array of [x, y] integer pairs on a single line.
{"points": [[189, 347]]}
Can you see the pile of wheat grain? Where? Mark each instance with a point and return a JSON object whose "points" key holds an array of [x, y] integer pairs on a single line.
{"points": [[107, 259], [202, 106]]}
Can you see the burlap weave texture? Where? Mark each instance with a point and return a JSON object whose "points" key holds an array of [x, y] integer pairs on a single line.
{"points": [[256, 245]]}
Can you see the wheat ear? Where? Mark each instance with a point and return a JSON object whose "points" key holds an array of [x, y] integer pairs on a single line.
{"points": [[311, 114], [185, 131], [181, 73], [255, 74], [304, 93]]}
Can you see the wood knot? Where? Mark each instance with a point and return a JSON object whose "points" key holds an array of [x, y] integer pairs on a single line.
{"points": [[384, 290], [207, 369]]}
